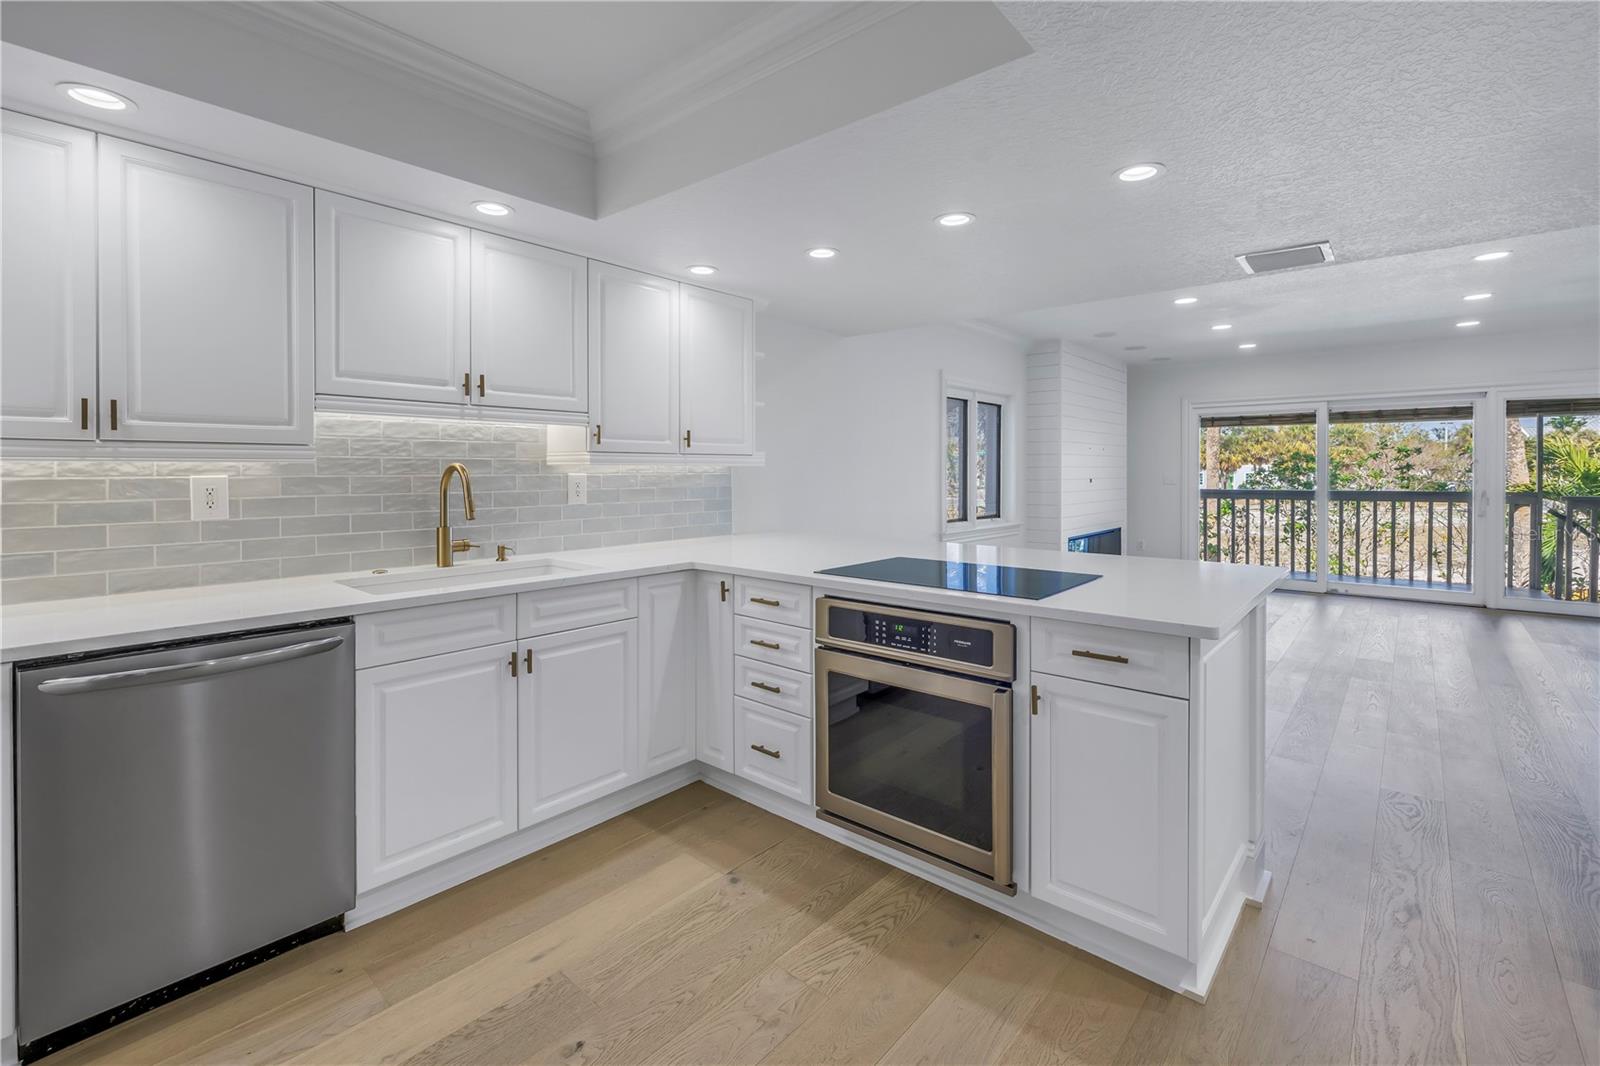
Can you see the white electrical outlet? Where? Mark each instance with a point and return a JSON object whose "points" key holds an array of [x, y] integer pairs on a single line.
{"points": [[577, 488], [208, 498]]}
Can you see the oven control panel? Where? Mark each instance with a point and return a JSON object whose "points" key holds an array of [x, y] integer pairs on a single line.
{"points": [[964, 644]]}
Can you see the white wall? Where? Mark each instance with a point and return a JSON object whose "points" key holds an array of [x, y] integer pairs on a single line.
{"points": [[850, 427], [1157, 392]]}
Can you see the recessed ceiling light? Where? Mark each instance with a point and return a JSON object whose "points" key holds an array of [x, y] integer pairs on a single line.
{"points": [[1252, 344], [1161, 358], [956, 218], [1468, 324], [823, 253], [104, 99], [1136, 347], [1185, 301], [1140, 172], [703, 269], [491, 207], [1478, 296], [1223, 325], [1107, 333], [1489, 257]]}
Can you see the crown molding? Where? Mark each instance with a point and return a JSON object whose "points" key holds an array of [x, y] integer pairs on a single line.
{"points": [[747, 53], [984, 327], [447, 77]]}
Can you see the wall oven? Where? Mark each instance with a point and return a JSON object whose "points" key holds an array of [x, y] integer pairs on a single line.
{"points": [[913, 723]]}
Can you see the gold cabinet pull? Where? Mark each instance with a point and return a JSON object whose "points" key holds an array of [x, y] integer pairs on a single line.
{"points": [[770, 645], [480, 384], [1100, 656], [527, 661], [1033, 699], [597, 433], [466, 383], [513, 664], [768, 752], [83, 413], [724, 593], [763, 601], [113, 414], [688, 438], [764, 687]]}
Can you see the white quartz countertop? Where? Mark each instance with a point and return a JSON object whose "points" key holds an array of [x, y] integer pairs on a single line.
{"points": [[1184, 598]]}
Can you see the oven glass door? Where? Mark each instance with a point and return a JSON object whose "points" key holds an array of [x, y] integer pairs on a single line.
{"points": [[919, 756]]}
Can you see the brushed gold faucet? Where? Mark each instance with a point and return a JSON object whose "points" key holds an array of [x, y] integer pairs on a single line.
{"points": [[444, 548]]}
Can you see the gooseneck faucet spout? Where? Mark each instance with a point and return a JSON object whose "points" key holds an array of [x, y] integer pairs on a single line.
{"points": [[444, 547]]}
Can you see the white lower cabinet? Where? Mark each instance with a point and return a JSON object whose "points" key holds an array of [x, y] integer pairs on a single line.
{"points": [[436, 750], [773, 749], [668, 643], [714, 675], [577, 712], [1109, 807]]}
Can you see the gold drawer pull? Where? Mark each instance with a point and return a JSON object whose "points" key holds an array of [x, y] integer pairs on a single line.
{"points": [[527, 661], [83, 413], [763, 601], [480, 384], [770, 645], [1033, 699], [1100, 656], [768, 752], [513, 664], [466, 383], [764, 687]]}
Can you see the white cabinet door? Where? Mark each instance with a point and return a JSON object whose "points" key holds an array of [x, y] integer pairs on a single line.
{"points": [[47, 282], [205, 301], [716, 393], [668, 645], [393, 303], [714, 676], [633, 361], [1109, 830], [530, 326], [436, 751], [578, 717]]}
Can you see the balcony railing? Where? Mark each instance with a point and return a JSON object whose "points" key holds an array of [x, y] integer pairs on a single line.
{"points": [[1271, 527], [1402, 538], [1551, 545]]}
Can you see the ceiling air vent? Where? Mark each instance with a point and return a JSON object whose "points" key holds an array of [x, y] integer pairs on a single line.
{"points": [[1301, 255]]}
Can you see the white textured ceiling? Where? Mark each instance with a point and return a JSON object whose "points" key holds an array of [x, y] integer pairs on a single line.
{"points": [[1392, 129], [585, 53], [1551, 281]]}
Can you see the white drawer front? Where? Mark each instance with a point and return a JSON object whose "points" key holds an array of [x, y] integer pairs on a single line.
{"points": [[576, 607], [776, 686], [774, 601], [773, 749], [417, 632], [773, 642], [1147, 662]]}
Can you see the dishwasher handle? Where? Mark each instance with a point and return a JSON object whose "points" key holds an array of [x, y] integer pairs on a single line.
{"points": [[61, 686]]}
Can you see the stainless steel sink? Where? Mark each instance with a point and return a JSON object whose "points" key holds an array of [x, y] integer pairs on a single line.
{"points": [[423, 579]]}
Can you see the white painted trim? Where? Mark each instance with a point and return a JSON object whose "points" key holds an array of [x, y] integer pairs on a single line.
{"points": [[111, 451], [449, 412], [444, 76], [748, 53], [1010, 522]]}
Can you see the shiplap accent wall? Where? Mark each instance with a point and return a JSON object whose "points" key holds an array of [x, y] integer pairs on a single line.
{"points": [[370, 498], [1077, 461]]}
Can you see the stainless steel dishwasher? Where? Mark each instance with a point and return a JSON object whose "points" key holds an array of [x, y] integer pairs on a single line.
{"points": [[182, 811]]}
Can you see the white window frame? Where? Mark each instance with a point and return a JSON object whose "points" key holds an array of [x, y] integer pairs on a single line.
{"points": [[1009, 521]]}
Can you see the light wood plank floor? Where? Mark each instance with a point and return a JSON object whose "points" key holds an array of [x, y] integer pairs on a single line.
{"points": [[1432, 815]]}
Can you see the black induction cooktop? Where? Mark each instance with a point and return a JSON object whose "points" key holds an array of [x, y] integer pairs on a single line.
{"points": [[991, 579]]}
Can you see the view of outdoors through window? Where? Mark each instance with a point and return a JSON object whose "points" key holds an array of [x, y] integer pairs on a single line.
{"points": [[987, 460], [1399, 501], [1258, 478], [955, 459], [1552, 497]]}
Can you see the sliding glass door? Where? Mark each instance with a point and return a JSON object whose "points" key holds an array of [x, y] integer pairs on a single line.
{"points": [[1259, 502], [1552, 503]]}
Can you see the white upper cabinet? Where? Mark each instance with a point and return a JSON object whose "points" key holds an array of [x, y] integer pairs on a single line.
{"points": [[393, 303], [530, 324], [716, 395], [205, 301], [633, 361], [47, 321]]}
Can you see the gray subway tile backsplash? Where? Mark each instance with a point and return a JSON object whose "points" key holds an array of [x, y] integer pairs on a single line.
{"points": [[368, 499]]}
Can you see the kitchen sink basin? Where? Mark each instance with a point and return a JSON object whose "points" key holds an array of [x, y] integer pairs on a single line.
{"points": [[423, 579]]}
